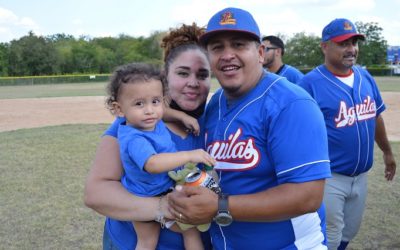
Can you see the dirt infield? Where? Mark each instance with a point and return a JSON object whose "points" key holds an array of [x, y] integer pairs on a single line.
{"points": [[32, 113]]}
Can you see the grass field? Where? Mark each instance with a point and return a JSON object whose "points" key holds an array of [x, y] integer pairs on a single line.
{"points": [[42, 177], [53, 90], [388, 83], [43, 172]]}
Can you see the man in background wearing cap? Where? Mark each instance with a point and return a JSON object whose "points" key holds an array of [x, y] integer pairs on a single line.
{"points": [[269, 140], [274, 51], [352, 107]]}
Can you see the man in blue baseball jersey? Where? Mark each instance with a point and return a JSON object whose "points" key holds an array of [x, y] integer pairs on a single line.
{"points": [[269, 140], [274, 51], [352, 107]]}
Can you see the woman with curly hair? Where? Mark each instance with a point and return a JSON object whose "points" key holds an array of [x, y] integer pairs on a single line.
{"points": [[187, 71]]}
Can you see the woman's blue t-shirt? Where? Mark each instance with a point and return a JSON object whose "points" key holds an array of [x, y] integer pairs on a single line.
{"points": [[122, 233]]}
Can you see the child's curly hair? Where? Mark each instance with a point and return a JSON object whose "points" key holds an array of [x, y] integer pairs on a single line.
{"points": [[130, 73]]}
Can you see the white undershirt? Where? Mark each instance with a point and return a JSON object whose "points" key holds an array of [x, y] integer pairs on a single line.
{"points": [[348, 80]]}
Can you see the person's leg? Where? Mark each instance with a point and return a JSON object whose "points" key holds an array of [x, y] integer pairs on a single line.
{"points": [[335, 192], [343, 245], [354, 208], [147, 234], [192, 239]]}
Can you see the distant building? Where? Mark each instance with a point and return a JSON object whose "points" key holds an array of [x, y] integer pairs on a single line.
{"points": [[393, 53]]}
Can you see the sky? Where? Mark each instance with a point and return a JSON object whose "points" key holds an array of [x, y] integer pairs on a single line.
{"points": [[102, 18]]}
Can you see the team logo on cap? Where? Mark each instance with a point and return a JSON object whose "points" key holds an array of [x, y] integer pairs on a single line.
{"points": [[227, 18], [347, 26]]}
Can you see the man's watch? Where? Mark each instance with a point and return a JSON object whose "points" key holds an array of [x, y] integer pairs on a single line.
{"points": [[223, 217]]}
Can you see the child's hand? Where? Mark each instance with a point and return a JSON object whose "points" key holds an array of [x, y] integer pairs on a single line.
{"points": [[191, 124], [201, 156]]}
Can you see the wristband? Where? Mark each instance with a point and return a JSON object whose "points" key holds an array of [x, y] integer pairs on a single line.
{"points": [[160, 215]]}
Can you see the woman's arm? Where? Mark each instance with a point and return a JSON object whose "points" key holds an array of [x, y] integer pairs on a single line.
{"points": [[104, 192]]}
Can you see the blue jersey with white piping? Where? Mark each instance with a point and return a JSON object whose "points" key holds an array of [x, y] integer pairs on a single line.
{"points": [[291, 73], [272, 135], [350, 117]]}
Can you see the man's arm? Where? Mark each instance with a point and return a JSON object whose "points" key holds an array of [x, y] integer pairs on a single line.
{"points": [[383, 143], [279, 203]]}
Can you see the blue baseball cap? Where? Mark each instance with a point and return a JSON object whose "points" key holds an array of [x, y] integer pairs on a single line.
{"points": [[232, 20], [339, 30]]}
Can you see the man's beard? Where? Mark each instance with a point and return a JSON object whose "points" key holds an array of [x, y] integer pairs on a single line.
{"points": [[268, 64]]}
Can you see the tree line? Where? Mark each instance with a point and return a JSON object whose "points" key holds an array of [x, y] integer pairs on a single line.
{"points": [[59, 54]]}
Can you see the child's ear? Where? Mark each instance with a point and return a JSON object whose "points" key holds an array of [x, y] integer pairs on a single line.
{"points": [[117, 109]]}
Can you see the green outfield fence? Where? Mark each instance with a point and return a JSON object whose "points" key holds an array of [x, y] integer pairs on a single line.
{"points": [[83, 78], [32, 80]]}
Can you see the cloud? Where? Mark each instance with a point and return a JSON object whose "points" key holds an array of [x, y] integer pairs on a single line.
{"points": [[27, 22], [12, 26], [184, 13], [390, 28], [359, 5], [7, 16]]}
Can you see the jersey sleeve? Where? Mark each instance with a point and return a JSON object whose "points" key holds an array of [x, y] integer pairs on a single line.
{"points": [[299, 143], [304, 84]]}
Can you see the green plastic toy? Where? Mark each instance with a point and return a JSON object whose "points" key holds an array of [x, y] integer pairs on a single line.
{"points": [[179, 178]]}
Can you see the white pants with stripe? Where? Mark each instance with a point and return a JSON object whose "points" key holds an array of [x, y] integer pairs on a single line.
{"points": [[344, 199]]}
